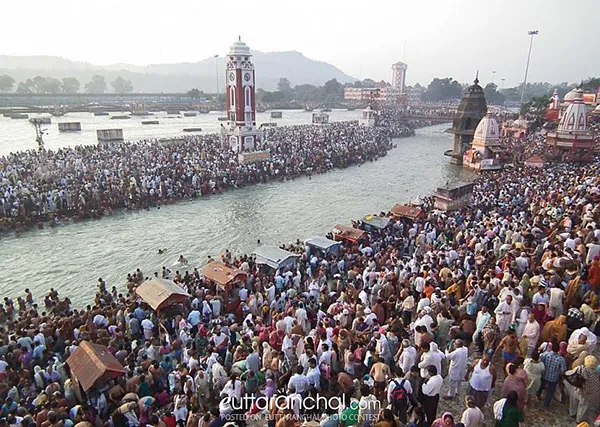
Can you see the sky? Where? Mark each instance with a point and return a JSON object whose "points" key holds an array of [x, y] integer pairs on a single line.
{"points": [[443, 38]]}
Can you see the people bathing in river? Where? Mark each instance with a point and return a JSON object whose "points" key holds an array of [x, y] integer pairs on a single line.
{"points": [[92, 181], [383, 324]]}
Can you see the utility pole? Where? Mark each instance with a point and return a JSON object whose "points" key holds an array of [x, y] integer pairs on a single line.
{"points": [[531, 34], [217, 76]]}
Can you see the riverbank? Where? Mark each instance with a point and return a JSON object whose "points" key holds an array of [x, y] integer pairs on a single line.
{"points": [[91, 182]]}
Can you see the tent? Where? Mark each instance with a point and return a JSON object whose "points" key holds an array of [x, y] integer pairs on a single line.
{"points": [[350, 234], [223, 276], [92, 365], [275, 257], [323, 244], [161, 293], [371, 222], [409, 212]]}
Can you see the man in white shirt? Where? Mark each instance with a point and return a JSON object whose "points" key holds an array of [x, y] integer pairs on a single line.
{"points": [[313, 375], [458, 367], [408, 357], [431, 393], [399, 408], [148, 328], [298, 383]]}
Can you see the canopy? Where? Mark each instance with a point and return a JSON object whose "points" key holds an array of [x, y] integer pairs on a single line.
{"points": [[223, 275], [92, 364], [323, 243], [376, 221], [409, 212], [348, 233], [161, 293], [275, 257]]}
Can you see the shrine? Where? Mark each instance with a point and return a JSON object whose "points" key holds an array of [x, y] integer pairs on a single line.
{"points": [[572, 141], [240, 134], [486, 148], [368, 117]]}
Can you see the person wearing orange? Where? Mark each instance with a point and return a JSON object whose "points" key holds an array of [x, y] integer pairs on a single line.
{"points": [[594, 273]]}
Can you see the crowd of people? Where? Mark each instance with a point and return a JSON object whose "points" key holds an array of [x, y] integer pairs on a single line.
{"points": [[462, 318], [92, 181]]}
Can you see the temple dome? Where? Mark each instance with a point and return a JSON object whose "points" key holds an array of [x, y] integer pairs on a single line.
{"points": [[597, 109], [571, 95], [575, 117], [239, 48], [487, 130], [521, 122]]}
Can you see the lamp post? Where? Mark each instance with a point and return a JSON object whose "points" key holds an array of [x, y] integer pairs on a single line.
{"points": [[502, 80], [217, 76], [531, 34], [493, 77]]}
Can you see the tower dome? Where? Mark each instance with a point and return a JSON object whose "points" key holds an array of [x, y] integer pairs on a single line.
{"points": [[575, 117], [487, 131], [239, 48]]}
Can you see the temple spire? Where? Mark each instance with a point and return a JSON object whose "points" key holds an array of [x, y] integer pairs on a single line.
{"points": [[476, 81]]}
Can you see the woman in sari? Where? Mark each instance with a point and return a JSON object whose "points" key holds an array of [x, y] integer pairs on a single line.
{"points": [[446, 420], [555, 330], [516, 380]]}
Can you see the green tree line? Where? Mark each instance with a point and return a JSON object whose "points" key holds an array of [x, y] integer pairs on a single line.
{"points": [[51, 85]]}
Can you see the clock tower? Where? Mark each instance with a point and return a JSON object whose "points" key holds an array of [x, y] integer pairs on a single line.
{"points": [[240, 134]]}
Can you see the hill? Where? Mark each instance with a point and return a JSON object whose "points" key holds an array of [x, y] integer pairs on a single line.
{"points": [[180, 77]]}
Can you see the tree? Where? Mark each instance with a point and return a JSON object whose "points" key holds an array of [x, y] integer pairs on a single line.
{"points": [[26, 87], [334, 90], [536, 107], [43, 85], [97, 85], [121, 86], [6, 83], [195, 93], [442, 89], [492, 96], [284, 86], [70, 85], [591, 84]]}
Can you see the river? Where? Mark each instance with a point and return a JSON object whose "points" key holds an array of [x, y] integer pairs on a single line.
{"points": [[71, 258]]}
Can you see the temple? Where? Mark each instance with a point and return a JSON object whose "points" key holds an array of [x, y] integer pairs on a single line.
{"points": [[572, 141], [470, 111], [486, 148]]}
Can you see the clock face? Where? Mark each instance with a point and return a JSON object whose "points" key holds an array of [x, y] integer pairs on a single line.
{"points": [[231, 77], [247, 77]]}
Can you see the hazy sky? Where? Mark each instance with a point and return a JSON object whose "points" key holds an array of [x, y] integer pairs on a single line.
{"points": [[443, 37]]}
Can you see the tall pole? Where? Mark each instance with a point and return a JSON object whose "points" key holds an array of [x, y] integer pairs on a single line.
{"points": [[217, 76], [531, 34], [502, 87], [493, 76]]}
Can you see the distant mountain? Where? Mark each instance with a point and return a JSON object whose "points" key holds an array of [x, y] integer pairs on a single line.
{"points": [[181, 77]]}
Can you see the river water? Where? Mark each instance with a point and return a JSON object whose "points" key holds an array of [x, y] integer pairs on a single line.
{"points": [[71, 258]]}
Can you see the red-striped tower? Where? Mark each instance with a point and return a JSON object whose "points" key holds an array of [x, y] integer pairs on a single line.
{"points": [[240, 134]]}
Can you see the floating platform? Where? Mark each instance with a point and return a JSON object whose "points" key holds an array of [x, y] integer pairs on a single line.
{"points": [[69, 127], [222, 119], [192, 129], [173, 112], [141, 113], [149, 122], [41, 120], [19, 116], [124, 117], [109, 135], [100, 113], [268, 124], [190, 114], [276, 114]]}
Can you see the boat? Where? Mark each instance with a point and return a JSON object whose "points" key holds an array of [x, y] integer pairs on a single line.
{"points": [[120, 117], [100, 113], [222, 119], [276, 114], [149, 122], [190, 114], [41, 120], [192, 129], [351, 108], [173, 112], [326, 110]]}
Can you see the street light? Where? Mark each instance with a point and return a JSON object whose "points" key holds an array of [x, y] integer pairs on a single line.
{"points": [[217, 76], [531, 34]]}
